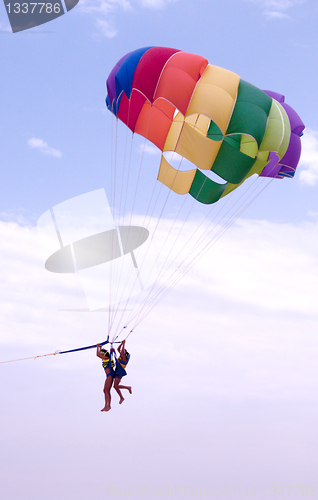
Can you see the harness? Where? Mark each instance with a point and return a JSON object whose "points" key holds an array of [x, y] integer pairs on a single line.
{"points": [[122, 363], [110, 362], [105, 363]]}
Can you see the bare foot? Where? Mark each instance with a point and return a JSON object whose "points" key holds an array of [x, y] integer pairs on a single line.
{"points": [[121, 400], [130, 390], [106, 408]]}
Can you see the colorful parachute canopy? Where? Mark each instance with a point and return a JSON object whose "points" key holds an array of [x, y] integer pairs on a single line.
{"points": [[206, 114]]}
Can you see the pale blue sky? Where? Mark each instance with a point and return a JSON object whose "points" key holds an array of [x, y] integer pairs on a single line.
{"points": [[224, 370]]}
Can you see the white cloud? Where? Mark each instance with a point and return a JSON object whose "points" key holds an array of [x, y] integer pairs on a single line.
{"points": [[258, 268], [30, 296], [276, 14], [10, 216], [313, 214], [104, 11], [4, 28], [155, 4], [103, 7], [277, 8], [225, 350], [309, 158], [106, 28], [43, 147], [266, 265]]}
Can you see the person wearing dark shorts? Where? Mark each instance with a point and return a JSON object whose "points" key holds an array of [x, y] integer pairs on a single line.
{"points": [[109, 371], [120, 371]]}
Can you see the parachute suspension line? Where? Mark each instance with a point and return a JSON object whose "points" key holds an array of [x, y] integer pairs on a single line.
{"points": [[198, 256], [219, 233], [164, 271], [123, 176], [112, 156], [116, 266], [151, 301], [153, 298], [112, 204], [119, 266], [178, 274], [174, 280], [237, 213], [31, 357], [226, 226], [128, 176], [115, 337], [113, 169], [146, 253], [150, 215], [129, 225], [119, 221], [137, 183], [129, 334], [130, 159], [153, 232], [121, 215], [146, 215], [212, 221], [113, 160], [152, 196]]}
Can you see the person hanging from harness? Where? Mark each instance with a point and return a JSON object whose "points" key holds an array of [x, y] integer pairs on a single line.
{"points": [[108, 365], [120, 371]]}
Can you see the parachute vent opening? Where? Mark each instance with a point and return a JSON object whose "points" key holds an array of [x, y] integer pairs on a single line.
{"points": [[182, 164]]}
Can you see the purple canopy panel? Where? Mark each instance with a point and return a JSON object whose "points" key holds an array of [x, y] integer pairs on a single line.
{"points": [[292, 155], [278, 97], [296, 123], [272, 168], [111, 80], [287, 165]]}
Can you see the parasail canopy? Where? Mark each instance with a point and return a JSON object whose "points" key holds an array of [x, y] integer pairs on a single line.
{"points": [[209, 116]]}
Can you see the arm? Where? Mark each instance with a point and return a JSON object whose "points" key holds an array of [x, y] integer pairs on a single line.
{"points": [[99, 354], [121, 350], [121, 347]]}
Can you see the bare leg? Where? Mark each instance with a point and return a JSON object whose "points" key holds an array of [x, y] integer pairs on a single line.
{"points": [[128, 387], [118, 388], [107, 388]]}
